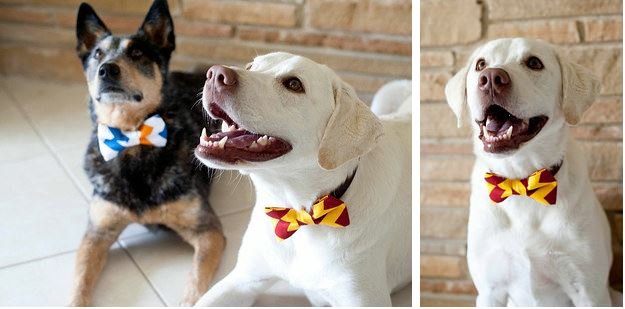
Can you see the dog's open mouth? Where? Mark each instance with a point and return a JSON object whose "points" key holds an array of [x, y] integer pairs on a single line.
{"points": [[501, 131], [238, 144]]}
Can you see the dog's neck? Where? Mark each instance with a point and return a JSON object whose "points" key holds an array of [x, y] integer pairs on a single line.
{"points": [[299, 188], [122, 116], [547, 151]]}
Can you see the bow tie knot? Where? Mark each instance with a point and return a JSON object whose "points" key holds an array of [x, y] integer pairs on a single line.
{"points": [[112, 141], [328, 210], [540, 186]]}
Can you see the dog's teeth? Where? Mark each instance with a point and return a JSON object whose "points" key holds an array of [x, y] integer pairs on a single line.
{"points": [[254, 145], [204, 142], [488, 120], [509, 132], [271, 139], [485, 131], [262, 140], [232, 128], [222, 142], [203, 136], [224, 127]]}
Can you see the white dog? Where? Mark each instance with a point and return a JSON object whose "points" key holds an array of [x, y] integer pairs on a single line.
{"points": [[301, 133], [551, 245]]}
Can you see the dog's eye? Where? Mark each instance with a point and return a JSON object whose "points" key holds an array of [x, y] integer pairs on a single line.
{"points": [[98, 53], [248, 66], [293, 84], [136, 53], [480, 65], [534, 63]]}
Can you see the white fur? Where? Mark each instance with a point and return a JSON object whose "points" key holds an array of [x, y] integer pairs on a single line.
{"points": [[519, 251], [394, 96], [332, 133]]}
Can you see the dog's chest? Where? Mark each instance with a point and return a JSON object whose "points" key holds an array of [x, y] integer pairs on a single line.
{"points": [[306, 259]]}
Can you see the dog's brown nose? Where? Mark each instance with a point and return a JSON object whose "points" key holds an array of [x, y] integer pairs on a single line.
{"points": [[496, 80], [221, 77]]}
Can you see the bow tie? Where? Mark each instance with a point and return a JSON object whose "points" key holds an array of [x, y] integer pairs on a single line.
{"points": [[541, 186], [113, 140], [328, 210]]}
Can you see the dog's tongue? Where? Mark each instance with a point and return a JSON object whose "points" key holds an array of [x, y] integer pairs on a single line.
{"points": [[495, 124]]}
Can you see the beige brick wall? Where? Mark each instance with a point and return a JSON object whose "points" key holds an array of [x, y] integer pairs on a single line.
{"points": [[591, 33], [367, 41]]}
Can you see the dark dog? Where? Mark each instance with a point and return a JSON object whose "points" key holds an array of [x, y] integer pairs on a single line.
{"points": [[143, 170]]}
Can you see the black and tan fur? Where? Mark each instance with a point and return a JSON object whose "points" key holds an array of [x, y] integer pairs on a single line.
{"points": [[128, 80]]}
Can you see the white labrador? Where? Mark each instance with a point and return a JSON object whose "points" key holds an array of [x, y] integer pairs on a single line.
{"points": [[521, 97], [300, 132]]}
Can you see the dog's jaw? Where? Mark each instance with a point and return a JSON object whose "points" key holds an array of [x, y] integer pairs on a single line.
{"points": [[503, 133], [544, 150]]}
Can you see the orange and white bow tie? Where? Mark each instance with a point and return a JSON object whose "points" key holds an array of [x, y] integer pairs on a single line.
{"points": [[541, 186], [328, 210], [113, 140]]}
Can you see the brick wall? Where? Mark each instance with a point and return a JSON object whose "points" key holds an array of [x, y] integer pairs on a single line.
{"points": [[367, 42], [591, 33]]}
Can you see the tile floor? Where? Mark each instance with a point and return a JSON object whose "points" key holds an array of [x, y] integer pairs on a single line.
{"points": [[44, 128]]}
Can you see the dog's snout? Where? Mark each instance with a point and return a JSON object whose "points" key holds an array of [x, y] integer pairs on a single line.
{"points": [[109, 70], [496, 80], [221, 77]]}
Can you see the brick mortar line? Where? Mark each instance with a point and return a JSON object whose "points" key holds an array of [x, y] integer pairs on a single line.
{"points": [[471, 46], [557, 18], [337, 32], [317, 49]]}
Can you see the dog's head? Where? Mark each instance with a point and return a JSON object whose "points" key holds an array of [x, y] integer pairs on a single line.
{"points": [[516, 90], [125, 73], [284, 110]]}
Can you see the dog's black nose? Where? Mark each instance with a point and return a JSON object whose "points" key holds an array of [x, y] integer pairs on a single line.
{"points": [[110, 70], [221, 77], [496, 80]]}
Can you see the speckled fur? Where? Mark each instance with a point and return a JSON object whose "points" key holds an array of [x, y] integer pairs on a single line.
{"points": [[144, 177], [145, 184]]}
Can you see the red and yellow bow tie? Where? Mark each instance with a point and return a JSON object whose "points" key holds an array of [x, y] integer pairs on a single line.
{"points": [[328, 210], [541, 186]]}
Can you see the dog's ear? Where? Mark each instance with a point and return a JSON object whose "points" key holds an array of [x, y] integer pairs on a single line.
{"points": [[158, 26], [456, 94], [579, 89], [89, 29], [352, 130]]}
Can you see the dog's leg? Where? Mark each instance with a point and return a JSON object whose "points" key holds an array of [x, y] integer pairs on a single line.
{"points": [[106, 221], [583, 282], [492, 298], [366, 286], [209, 246], [243, 284]]}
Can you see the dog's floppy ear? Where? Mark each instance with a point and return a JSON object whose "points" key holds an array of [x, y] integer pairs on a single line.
{"points": [[456, 94], [158, 26], [579, 89], [89, 29], [352, 130]]}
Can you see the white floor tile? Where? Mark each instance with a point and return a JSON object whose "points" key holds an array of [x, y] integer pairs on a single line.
{"points": [[58, 111], [166, 259], [72, 161], [18, 140], [42, 211], [168, 269], [48, 282]]}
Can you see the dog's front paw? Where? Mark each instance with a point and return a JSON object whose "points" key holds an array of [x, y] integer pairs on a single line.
{"points": [[79, 302]]}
